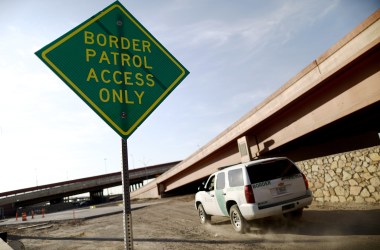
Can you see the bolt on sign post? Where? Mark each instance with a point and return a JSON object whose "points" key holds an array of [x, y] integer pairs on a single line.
{"points": [[120, 70]]}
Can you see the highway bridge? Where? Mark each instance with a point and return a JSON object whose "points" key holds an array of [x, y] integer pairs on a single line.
{"points": [[55, 192], [331, 106]]}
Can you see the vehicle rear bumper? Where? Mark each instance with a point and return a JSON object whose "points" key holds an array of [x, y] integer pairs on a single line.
{"points": [[253, 211]]}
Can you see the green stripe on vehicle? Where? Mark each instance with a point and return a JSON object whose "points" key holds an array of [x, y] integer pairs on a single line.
{"points": [[221, 201]]}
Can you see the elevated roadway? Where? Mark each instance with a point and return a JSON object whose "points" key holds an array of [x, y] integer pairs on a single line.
{"points": [[54, 191], [331, 106]]}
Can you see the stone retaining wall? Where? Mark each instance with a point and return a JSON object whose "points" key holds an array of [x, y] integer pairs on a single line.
{"points": [[346, 177]]}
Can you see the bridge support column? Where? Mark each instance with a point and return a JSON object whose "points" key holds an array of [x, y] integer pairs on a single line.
{"points": [[97, 196], [56, 201], [161, 189], [244, 149]]}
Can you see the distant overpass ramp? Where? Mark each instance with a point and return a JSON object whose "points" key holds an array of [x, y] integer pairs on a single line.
{"points": [[22, 197], [330, 106]]}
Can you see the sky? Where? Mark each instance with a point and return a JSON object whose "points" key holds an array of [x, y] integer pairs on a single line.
{"points": [[238, 53]]}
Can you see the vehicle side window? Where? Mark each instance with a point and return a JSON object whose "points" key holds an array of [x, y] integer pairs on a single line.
{"points": [[210, 184], [235, 177], [220, 181]]}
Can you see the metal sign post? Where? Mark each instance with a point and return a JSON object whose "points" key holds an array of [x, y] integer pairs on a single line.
{"points": [[127, 215]]}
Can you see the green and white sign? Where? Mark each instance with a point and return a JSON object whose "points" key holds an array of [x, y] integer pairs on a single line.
{"points": [[116, 66]]}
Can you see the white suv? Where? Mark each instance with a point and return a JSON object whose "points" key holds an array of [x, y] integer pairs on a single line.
{"points": [[253, 190]]}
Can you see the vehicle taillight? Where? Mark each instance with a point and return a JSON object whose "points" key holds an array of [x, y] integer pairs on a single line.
{"points": [[305, 181], [249, 196]]}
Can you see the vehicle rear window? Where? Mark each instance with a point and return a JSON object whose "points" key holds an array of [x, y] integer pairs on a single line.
{"points": [[270, 170], [235, 177]]}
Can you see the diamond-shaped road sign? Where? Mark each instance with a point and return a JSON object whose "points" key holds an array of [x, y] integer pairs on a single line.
{"points": [[116, 66]]}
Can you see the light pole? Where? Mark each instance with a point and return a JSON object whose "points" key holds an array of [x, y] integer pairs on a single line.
{"points": [[105, 165], [105, 170], [35, 169]]}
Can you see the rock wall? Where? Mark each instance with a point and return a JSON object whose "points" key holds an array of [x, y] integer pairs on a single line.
{"points": [[346, 177]]}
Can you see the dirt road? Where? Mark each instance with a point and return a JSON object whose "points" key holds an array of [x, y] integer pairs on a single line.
{"points": [[174, 224]]}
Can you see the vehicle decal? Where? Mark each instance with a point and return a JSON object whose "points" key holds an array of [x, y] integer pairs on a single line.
{"points": [[291, 177], [262, 203], [221, 201], [261, 184]]}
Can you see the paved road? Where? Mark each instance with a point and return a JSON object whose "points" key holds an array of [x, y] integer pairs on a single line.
{"points": [[77, 213]]}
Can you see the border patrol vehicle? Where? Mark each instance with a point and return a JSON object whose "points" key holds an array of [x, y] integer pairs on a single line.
{"points": [[252, 190]]}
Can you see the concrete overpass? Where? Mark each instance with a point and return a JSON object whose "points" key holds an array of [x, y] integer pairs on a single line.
{"points": [[95, 185], [331, 106]]}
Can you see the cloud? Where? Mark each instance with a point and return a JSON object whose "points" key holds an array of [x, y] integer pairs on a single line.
{"points": [[249, 33]]}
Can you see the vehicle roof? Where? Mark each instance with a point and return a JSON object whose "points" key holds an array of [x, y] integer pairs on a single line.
{"points": [[246, 164]]}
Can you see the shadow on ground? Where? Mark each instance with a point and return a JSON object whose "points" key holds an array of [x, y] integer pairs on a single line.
{"points": [[318, 223]]}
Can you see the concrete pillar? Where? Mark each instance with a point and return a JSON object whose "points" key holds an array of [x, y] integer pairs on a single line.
{"points": [[96, 196], [56, 201]]}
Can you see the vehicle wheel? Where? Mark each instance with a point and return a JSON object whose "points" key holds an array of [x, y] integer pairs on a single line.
{"points": [[237, 220], [203, 216], [295, 215]]}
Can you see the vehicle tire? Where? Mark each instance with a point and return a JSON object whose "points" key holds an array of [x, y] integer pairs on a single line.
{"points": [[294, 215], [203, 216], [237, 220]]}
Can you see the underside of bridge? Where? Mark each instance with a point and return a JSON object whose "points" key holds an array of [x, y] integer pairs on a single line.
{"points": [[360, 129]]}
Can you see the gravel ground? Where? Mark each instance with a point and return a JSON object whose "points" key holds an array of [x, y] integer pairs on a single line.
{"points": [[174, 224]]}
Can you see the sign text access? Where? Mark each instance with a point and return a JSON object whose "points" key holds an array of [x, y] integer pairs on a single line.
{"points": [[116, 66]]}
